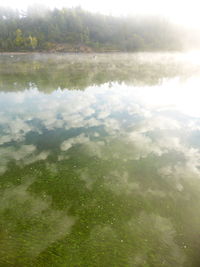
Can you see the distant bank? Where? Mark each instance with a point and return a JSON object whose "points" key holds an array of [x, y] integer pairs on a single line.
{"points": [[76, 30]]}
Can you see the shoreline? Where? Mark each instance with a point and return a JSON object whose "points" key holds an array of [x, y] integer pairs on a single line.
{"points": [[93, 52]]}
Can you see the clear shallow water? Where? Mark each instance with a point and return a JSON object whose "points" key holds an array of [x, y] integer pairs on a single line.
{"points": [[100, 160]]}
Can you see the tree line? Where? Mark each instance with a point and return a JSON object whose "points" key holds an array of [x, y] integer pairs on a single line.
{"points": [[74, 29]]}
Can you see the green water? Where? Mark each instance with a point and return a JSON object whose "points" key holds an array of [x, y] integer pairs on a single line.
{"points": [[100, 160]]}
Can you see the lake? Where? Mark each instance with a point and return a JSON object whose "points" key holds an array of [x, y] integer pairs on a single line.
{"points": [[100, 160]]}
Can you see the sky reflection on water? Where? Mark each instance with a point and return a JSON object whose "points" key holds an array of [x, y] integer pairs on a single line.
{"points": [[107, 175]]}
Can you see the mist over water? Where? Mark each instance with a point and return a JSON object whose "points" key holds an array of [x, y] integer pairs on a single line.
{"points": [[100, 160]]}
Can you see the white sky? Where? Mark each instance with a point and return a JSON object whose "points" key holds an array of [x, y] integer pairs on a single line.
{"points": [[186, 12]]}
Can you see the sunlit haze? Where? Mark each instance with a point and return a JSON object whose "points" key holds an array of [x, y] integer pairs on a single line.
{"points": [[181, 12]]}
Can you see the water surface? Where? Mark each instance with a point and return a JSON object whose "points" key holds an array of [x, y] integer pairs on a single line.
{"points": [[100, 160]]}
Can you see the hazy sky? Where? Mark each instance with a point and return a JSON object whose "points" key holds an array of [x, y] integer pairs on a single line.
{"points": [[181, 11]]}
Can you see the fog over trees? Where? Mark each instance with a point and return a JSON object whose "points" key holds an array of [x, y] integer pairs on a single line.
{"points": [[77, 30]]}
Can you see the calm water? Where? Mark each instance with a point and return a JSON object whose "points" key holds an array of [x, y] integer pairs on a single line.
{"points": [[100, 160]]}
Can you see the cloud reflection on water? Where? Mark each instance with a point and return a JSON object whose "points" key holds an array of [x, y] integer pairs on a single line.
{"points": [[133, 139], [128, 113]]}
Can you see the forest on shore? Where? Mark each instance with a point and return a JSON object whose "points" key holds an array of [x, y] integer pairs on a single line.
{"points": [[77, 30]]}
